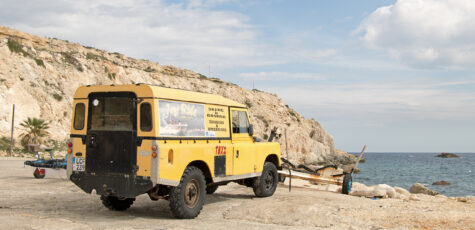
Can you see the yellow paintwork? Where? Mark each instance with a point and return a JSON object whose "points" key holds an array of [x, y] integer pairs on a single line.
{"points": [[175, 155]]}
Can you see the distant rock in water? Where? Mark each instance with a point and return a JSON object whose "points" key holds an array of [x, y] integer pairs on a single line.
{"points": [[442, 182], [419, 188], [448, 155]]}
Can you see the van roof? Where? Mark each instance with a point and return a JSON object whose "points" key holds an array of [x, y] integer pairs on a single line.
{"points": [[153, 91]]}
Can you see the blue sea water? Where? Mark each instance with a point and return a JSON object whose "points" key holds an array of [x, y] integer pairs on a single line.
{"points": [[405, 169]]}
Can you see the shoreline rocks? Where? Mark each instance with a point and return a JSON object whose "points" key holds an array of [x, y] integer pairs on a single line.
{"points": [[418, 188], [442, 183], [448, 155]]}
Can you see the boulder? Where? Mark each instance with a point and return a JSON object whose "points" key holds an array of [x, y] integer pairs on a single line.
{"points": [[442, 182], [448, 155], [402, 191], [419, 188]]}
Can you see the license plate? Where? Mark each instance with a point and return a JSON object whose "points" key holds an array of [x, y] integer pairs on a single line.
{"points": [[79, 164]]}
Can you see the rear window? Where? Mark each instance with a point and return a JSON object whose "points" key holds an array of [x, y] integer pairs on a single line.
{"points": [[79, 115], [112, 114], [145, 117]]}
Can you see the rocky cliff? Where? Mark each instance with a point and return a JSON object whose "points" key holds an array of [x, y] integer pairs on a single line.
{"points": [[40, 76]]}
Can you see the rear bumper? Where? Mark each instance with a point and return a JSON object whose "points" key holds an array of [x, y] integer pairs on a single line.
{"points": [[119, 185]]}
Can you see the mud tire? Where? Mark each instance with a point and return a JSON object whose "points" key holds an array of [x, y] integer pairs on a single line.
{"points": [[187, 199], [266, 184], [116, 204]]}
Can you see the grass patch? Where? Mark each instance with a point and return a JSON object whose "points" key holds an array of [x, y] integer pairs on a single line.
{"points": [[266, 123], [16, 47], [93, 56], [40, 62], [292, 113], [149, 69], [256, 90], [69, 58], [57, 96]]}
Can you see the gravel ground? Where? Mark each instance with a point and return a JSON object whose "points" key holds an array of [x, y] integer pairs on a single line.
{"points": [[56, 203]]}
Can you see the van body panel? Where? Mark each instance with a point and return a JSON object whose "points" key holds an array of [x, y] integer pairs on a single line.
{"points": [[185, 127]]}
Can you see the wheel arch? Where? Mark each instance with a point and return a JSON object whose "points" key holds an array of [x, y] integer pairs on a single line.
{"points": [[273, 159], [204, 168]]}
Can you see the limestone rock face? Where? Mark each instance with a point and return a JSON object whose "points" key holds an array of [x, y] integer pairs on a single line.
{"points": [[419, 188], [40, 79]]}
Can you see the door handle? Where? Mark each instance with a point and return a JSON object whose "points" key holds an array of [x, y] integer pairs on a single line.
{"points": [[91, 140], [237, 153]]}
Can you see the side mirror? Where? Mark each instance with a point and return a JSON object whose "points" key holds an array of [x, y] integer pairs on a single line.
{"points": [[251, 130]]}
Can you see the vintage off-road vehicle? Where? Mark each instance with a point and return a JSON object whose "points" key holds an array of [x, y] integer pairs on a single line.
{"points": [[127, 140]]}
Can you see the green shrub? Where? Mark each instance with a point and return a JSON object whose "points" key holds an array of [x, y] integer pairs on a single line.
{"points": [[4, 143], [57, 96], [111, 76], [266, 136], [40, 62], [16, 47], [203, 77], [149, 69]]}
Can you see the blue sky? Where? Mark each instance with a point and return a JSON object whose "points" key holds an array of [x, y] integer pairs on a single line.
{"points": [[396, 75]]}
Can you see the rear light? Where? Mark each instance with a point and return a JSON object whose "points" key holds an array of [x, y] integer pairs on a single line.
{"points": [[70, 147], [154, 151]]}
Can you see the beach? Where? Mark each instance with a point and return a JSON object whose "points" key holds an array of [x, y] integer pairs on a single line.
{"points": [[56, 203]]}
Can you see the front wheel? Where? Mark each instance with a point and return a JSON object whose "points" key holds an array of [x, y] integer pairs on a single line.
{"points": [[187, 199], [117, 204], [266, 184]]}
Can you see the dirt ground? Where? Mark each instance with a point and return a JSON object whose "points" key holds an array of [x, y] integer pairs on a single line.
{"points": [[56, 203]]}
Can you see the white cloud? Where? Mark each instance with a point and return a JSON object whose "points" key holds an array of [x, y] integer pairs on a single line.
{"points": [[188, 34], [424, 33]]}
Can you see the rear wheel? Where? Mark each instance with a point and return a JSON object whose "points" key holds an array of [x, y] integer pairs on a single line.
{"points": [[266, 184], [347, 181], [187, 199], [117, 204]]}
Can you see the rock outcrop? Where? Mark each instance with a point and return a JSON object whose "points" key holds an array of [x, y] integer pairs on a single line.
{"points": [[419, 188], [40, 76], [442, 182], [448, 155]]}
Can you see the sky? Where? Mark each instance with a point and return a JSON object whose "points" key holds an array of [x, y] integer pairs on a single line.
{"points": [[396, 75]]}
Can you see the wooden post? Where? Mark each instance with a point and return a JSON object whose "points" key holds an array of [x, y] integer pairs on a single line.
{"points": [[13, 127]]}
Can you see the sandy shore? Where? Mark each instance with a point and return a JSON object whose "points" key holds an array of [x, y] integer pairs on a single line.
{"points": [[55, 203]]}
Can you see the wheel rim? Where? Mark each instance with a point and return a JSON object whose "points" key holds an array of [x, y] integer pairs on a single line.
{"points": [[192, 193], [269, 180]]}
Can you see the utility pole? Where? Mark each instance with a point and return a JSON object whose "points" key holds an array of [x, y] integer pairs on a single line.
{"points": [[13, 127]]}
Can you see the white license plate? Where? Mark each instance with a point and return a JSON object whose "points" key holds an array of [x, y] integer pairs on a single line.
{"points": [[79, 163]]}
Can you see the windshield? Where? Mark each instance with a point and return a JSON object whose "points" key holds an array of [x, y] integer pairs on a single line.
{"points": [[111, 114]]}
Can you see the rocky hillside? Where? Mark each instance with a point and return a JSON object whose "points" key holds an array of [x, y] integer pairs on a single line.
{"points": [[40, 76]]}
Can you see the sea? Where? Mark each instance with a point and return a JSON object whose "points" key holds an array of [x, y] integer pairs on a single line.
{"points": [[406, 169]]}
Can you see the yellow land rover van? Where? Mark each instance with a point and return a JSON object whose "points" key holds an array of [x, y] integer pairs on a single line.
{"points": [[128, 140]]}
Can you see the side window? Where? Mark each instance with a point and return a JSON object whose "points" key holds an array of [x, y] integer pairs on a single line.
{"points": [[240, 122], [145, 117], [79, 116]]}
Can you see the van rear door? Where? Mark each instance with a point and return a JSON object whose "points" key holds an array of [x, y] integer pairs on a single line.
{"points": [[111, 134]]}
